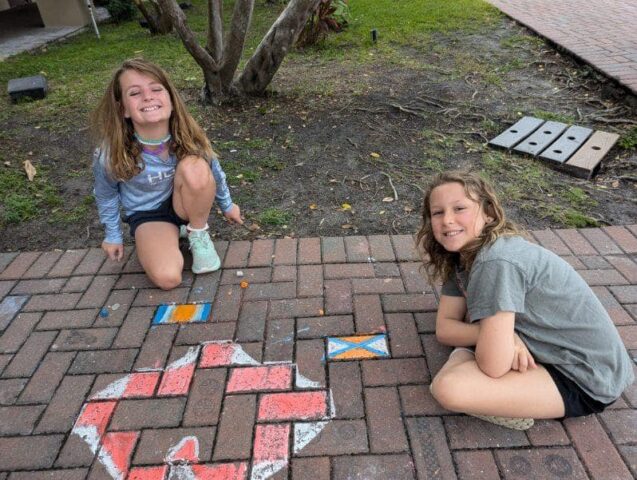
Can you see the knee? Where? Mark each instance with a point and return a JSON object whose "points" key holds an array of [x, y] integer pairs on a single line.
{"points": [[195, 173], [166, 280], [446, 388]]}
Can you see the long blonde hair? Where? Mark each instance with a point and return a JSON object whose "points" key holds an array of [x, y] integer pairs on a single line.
{"points": [[438, 262], [114, 132]]}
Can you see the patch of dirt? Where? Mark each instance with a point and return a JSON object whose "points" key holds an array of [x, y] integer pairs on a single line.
{"points": [[370, 137]]}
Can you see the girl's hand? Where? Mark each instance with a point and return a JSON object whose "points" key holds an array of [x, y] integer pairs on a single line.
{"points": [[234, 214], [522, 358], [114, 251]]}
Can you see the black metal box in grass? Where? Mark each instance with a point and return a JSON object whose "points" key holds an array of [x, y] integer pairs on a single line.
{"points": [[27, 88]]}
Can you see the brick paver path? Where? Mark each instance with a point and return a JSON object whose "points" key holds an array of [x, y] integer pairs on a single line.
{"points": [[603, 33], [90, 389]]}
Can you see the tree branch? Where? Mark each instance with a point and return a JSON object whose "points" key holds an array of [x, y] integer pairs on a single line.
{"points": [[215, 30], [235, 40]]}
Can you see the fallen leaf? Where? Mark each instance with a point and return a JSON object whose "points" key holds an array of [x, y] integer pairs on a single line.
{"points": [[382, 212], [615, 184], [30, 170], [313, 206], [347, 226], [388, 199], [254, 227], [408, 209], [374, 154], [7, 164], [346, 206]]}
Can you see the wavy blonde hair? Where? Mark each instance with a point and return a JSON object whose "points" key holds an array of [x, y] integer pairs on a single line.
{"points": [[114, 132], [439, 263]]}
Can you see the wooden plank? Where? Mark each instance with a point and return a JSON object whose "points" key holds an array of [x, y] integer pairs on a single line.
{"points": [[560, 150], [586, 160], [516, 133], [541, 138]]}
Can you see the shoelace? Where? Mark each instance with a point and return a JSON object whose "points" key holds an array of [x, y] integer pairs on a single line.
{"points": [[197, 241]]}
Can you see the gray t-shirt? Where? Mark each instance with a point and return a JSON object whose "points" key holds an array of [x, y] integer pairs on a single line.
{"points": [[557, 315]]}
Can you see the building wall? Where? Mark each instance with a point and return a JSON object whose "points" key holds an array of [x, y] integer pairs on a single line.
{"points": [[4, 5], [63, 13]]}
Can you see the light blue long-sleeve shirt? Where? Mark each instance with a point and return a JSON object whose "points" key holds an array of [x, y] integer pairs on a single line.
{"points": [[145, 191]]}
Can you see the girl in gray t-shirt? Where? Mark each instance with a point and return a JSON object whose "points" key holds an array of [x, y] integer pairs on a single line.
{"points": [[533, 340]]}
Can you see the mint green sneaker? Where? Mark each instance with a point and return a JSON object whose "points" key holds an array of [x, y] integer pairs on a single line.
{"points": [[204, 255], [183, 232]]}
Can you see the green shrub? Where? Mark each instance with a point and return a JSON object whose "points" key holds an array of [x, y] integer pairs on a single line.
{"points": [[121, 10]]}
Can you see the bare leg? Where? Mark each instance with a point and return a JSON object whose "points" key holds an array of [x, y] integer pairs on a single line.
{"points": [[158, 252], [194, 191], [461, 386]]}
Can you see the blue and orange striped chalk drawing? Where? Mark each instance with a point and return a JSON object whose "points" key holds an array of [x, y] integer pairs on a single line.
{"points": [[356, 348], [184, 313]]}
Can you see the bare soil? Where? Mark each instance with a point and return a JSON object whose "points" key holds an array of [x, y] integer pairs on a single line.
{"points": [[370, 136]]}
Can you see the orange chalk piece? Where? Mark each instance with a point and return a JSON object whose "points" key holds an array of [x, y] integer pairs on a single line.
{"points": [[243, 284]]}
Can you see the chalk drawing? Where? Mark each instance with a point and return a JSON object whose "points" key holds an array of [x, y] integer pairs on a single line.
{"points": [[183, 313], [360, 347]]}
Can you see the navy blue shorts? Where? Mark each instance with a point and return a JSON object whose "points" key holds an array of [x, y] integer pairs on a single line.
{"points": [[164, 213], [577, 402]]}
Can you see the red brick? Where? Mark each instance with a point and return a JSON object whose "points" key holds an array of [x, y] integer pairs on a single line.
{"points": [[384, 424], [154, 296], [65, 405], [91, 262], [148, 473], [6, 259], [378, 467], [595, 262], [279, 343], [29, 453], [338, 297], [147, 413], [574, 262], [632, 228], [414, 278], [430, 451], [250, 275], [436, 353], [622, 237], [237, 254], [595, 448], [196, 333], [316, 468], [251, 325], [10, 390], [626, 267], [394, 372], [234, 435], [380, 248], [42, 265], [403, 336], [576, 242], [602, 242], [310, 281], [119, 446], [547, 433], [269, 291], [74, 474], [347, 389], [377, 285], [285, 251], [155, 444], [133, 330], [6, 286], [344, 270], [368, 314], [386, 270], [260, 379], [84, 339], [310, 358], [261, 254], [204, 287], [227, 304], [603, 277], [476, 465], [134, 281], [629, 335], [31, 287], [357, 249], [339, 437], [627, 294], [9, 307], [621, 425], [551, 241], [98, 292], [103, 361], [19, 265], [117, 304], [541, 463], [309, 251], [65, 266], [18, 331], [300, 307], [30, 354], [205, 397], [55, 301], [46, 378], [271, 443], [110, 268], [293, 406], [630, 456], [405, 248], [426, 322], [179, 371], [284, 273], [156, 347], [326, 326], [19, 420], [333, 249], [469, 432], [409, 302], [612, 306], [417, 400]]}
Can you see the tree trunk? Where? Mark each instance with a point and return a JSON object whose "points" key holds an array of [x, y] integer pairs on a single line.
{"points": [[267, 59], [159, 23], [235, 40], [215, 29]]}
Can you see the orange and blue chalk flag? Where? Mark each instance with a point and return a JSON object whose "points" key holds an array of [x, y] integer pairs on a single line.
{"points": [[184, 313], [363, 346]]}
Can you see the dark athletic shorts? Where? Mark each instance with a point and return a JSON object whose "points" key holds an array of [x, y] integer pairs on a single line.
{"points": [[165, 213], [576, 401]]}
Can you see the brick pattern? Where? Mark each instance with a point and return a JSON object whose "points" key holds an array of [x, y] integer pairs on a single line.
{"points": [[251, 408]]}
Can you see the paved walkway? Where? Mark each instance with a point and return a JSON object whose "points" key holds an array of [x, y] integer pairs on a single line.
{"points": [[96, 381], [600, 32]]}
